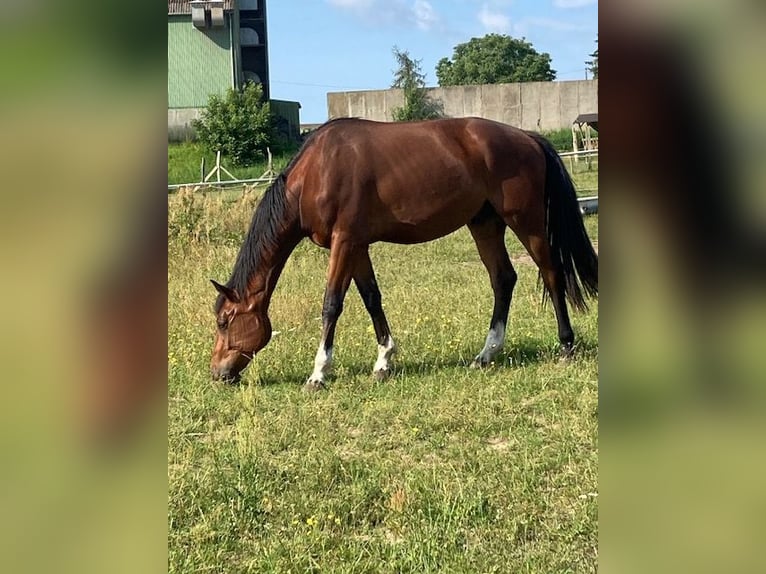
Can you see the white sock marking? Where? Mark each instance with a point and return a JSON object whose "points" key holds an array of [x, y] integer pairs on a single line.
{"points": [[385, 352], [493, 344], [322, 363]]}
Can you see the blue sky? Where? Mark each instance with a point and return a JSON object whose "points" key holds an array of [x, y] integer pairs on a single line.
{"points": [[320, 46]]}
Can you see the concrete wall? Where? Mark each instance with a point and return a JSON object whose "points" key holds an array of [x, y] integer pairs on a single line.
{"points": [[542, 106], [179, 123]]}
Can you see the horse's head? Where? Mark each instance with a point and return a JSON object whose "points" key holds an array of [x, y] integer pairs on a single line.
{"points": [[242, 331]]}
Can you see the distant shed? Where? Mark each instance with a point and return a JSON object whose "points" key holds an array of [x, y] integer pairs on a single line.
{"points": [[583, 136]]}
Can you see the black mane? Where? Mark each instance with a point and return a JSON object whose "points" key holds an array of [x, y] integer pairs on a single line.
{"points": [[265, 224]]}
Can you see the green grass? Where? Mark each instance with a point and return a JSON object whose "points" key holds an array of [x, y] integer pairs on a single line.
{"points": [[561, 139], [184, 163], [584, 174], [439, 469]]}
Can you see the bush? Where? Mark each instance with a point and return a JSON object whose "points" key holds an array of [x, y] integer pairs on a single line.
{"points": [[561, 139], [239, 124]]}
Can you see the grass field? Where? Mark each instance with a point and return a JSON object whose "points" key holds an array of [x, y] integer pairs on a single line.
{"points": [[185, 159], [585, 175], [438, 469]]}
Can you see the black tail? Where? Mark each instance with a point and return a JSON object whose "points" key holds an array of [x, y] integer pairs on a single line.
{"points": [[571, 248]]}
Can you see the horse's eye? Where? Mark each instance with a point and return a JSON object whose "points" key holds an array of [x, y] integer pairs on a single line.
{"points": [[222, 324]]}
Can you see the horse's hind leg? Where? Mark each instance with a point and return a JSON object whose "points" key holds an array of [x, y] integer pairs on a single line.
{"points": [[488, 231], [533, 237], [364, 277]]}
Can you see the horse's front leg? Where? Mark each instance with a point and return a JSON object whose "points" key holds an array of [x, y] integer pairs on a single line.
{"points": [[339, 273], [364, 277]]}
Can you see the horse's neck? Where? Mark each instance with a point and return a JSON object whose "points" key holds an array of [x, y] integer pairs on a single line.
{"points": [[272, 260]]}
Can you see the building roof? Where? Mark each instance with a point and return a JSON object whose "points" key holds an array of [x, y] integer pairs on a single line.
{"points": [[590, 119], [184, 6], [587, 118]]}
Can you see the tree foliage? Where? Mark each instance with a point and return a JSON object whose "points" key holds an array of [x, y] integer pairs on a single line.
{"points": [[593, 63], [418, 105], [239, 124], [494, 59]]}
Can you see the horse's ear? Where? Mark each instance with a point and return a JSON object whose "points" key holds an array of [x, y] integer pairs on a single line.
{"points": [[227, 292]]}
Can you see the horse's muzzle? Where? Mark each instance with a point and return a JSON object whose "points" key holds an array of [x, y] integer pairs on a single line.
{"points": [[224, 375]]}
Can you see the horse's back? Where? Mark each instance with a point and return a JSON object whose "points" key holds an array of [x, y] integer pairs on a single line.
{"points": [[405, 182]]}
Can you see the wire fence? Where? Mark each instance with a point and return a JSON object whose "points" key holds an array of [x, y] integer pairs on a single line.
{"points": [[583, 167], [219, 171]]}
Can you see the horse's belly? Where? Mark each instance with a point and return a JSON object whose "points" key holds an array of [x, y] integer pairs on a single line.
{"points": [[427, 222]]}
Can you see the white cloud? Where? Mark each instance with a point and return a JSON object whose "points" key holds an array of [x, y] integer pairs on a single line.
{"points": [[573, 3], [493, 21], [425, 15], [419, 13]]}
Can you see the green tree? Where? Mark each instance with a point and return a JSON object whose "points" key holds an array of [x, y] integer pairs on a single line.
{"points": [[239, 124], [418, 105], [494, 59], [593, 63]]}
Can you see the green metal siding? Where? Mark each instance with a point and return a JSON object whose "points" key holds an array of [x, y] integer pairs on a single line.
{"points": [[199, 62], [288, 118]]}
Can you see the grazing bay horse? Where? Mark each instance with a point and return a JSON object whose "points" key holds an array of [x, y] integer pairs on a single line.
{"points": [[355, 182]]}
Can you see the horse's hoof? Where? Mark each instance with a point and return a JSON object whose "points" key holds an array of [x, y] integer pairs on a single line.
{"points": [[566, 353], [478, 364], [314, 385], [381, 374]]}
